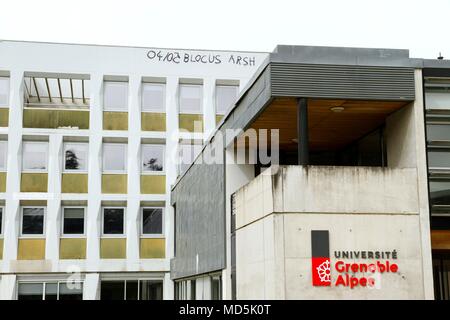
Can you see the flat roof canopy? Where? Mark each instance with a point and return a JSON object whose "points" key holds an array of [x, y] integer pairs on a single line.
{"points": [[328, 130]]}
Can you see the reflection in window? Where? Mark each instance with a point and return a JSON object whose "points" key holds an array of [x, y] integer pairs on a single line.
{"points": [[440, 192], [114, 157], [152, 220], [190, 98], [73, 221], [75, 156], [113, 221], [152, 157], [153, 97], [34, 156], [225, 97], [131, 290], [33, 221], [115, 96]]}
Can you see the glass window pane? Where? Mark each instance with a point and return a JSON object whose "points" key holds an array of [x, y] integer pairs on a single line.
{"points": [[114, 157], [150, 290], [152, 157], [113, 221], [51, 291], [153, 97], [112, 290], [30, 291], [116, 96], [33, 221], [225, 97], [73, 221], [34, 156], [1, 220], [152, 220], [440, 192], [437, 99], [71, 291], [131, 290], [439, 158], [4, 91], [76, 156], [216, 290], [190, 98], [438, 132], [3, 153]]}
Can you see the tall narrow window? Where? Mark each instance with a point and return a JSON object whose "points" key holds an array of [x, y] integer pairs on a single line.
{"points": [[190, 98], [225, 97], [113, 221], [33, 220], [4, 91], [1, 220], [35, 156], [75, 156], [114, 157], [73, 221], [115, 96], [153, 97], [152, 221], [153, 158], [3, 155]]}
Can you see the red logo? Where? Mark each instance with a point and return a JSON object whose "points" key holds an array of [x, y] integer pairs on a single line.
{"points": [[321, 271]]}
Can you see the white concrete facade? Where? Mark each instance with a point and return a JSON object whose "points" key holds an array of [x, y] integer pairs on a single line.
{"points": [[363, 208], [98, 62]]}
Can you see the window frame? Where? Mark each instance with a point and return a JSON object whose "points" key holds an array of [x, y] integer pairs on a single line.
{"points": [[7, 105], [116, 235], [152, 109], [153, 235], [201, 98], [150, 172], [125, 279], [112, 109], [2, 219], [216, 100], [44, 228], [4, 166], [125, 159], [44, 283], [85, 144], [46, 156], [72, 235]]}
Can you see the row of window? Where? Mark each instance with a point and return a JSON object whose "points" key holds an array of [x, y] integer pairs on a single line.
{"points": [[115, 95], [109, 290], [437, 102], [74, 221], [75, 159], [35, 156]]}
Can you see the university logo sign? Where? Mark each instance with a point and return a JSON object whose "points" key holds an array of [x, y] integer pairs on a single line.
{"points": [[321, 263], [347, 274]]}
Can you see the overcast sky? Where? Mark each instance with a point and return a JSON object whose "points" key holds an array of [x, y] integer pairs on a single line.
{"points": [[423, 26]]}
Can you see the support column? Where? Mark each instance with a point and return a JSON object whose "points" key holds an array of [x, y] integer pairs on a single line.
{"points": [[94, 168], [302, 131], [134, 169]]}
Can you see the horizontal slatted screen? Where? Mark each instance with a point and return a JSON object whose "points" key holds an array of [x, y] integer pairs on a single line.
{"points": [[341, 81]]}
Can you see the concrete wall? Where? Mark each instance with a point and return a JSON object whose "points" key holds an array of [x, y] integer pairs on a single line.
{"points": [[363, 208]]}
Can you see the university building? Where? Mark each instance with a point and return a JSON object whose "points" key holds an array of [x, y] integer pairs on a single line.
{"points": [[133, 173]]}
